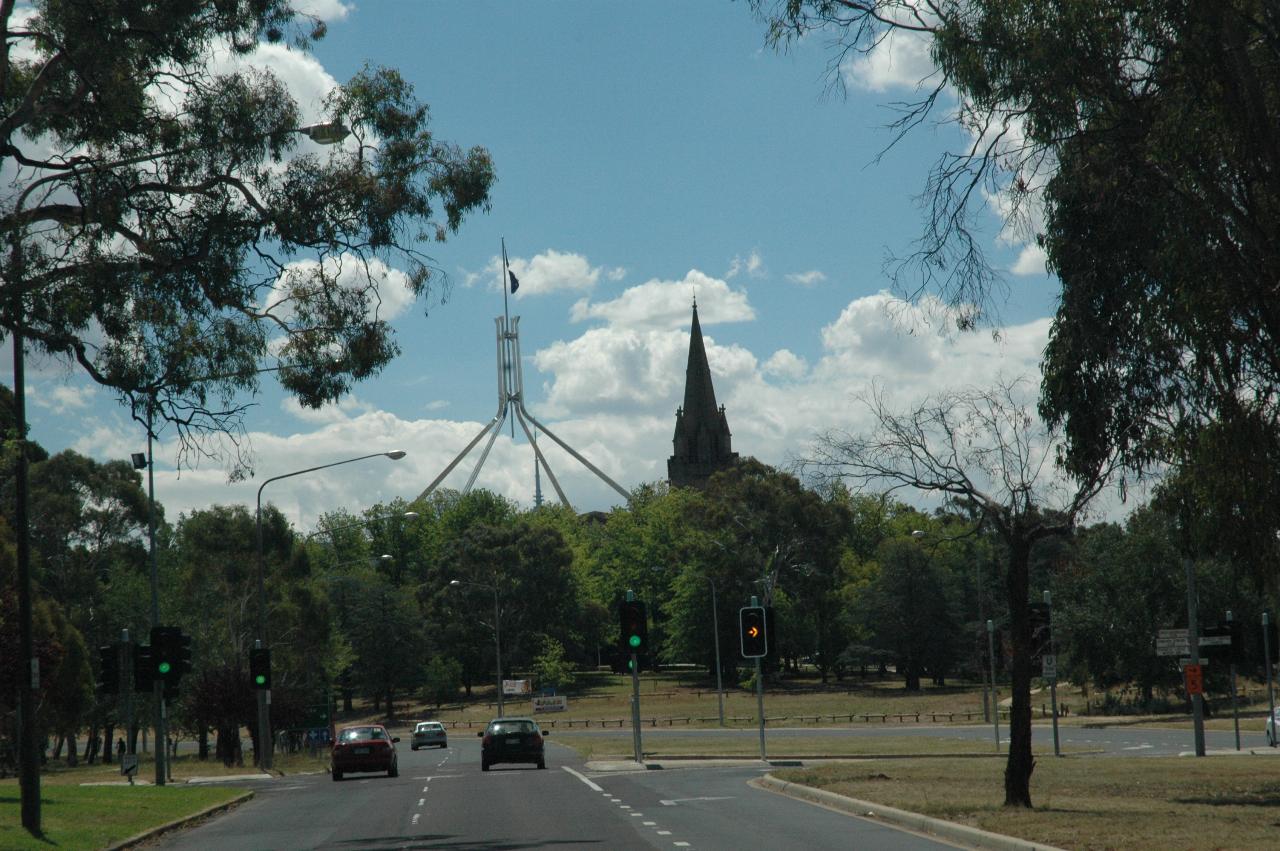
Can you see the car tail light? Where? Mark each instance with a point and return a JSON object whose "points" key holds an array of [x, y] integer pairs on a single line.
{"points": [[537, 739], [486, 741]]}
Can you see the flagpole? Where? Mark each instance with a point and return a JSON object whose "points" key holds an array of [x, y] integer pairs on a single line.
{"points": [[506, 326]]}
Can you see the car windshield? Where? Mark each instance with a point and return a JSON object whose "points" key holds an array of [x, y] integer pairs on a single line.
{"points": [[429, 726], [354, 734], [502, 727]]}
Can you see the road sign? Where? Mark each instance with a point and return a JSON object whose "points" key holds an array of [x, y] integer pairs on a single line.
{"points": [[1195, 679], [128, 763], [1050, 666], [1172, 642]]}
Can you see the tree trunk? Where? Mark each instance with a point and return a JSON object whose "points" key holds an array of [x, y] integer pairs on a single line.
{"points": [[73, 754], [57, 748], [108, 743], [912, 679], [203, 739], [1017, 772]]}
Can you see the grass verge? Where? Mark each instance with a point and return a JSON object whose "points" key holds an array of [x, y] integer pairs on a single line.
{"points": [[97, 816], [1096, 802], [656, 746]]}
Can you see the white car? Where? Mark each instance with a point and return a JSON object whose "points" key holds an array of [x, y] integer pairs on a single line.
{"points": [[429, 734], [1272, 723]]}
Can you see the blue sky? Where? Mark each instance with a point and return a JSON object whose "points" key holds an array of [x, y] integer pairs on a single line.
{"points": [[645, 152]]}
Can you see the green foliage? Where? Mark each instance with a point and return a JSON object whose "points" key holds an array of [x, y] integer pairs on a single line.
{"points": [[189, 240], [550, 668], [442, 679]]}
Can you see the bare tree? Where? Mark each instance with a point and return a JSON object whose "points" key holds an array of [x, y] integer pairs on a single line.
{"points": [[985, 450]]}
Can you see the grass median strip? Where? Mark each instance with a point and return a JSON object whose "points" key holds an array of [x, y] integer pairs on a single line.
{"points": [[657, 745], [1096, 802], [98, 816]]}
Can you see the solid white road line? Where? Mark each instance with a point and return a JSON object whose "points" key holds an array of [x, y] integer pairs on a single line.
{"points": [[583, 778]]}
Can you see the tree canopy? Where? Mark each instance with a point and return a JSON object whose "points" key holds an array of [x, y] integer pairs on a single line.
{"points": [[166, 228]]}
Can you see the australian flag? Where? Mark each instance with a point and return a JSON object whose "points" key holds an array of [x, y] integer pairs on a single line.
{"points": [[515, 282]]}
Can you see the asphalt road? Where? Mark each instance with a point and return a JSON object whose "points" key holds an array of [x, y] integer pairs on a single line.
{"points": [[442, 800]]}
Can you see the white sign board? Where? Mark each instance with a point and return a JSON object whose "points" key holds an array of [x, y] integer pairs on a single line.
{"points": [[1172, 642], [550, 703], [510, 687], [1050, 669], [128, 763]]}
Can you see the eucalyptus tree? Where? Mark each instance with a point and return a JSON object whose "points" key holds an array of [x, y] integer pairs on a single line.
{"points": [[985, 452], [163, 229], [1136, 143]]}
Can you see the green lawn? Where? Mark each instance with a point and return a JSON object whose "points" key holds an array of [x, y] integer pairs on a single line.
{"points": [[97, 816], [1081, 802]]}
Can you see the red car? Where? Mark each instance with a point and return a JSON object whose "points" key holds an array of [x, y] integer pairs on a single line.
{"points": [[367, 747]]}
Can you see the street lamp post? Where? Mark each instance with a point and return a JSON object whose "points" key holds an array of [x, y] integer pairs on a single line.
{"points": [[264, 699], [497, 630], [715, 627]]}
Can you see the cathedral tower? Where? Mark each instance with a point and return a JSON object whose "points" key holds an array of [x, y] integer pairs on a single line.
{"points": [[702, 442]]}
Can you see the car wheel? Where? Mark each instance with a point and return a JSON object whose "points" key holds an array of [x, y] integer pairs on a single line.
{"points": [[484, 766], [413, 747], [394, 770], [337, 775], [542, 763]]}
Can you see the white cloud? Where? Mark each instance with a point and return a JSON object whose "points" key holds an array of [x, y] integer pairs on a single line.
{"points": [[325, 10], [343, 410], [786, 364], [900, 61], [807, 279], [1031, 261], [666, 304], [753, 265], [393, 296], [548, 272], [62, 398]]}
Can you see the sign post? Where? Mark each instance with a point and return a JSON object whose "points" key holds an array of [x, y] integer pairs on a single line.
{"points": [[1050, 662]]}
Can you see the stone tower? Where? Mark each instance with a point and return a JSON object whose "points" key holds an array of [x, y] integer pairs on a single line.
{"points": [[702, 442]]}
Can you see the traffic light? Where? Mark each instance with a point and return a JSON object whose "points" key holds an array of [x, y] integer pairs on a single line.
{"points": [[182, 661], [143, 673], [634, 636], [753, 631], [260, 667], [109, 669], [168, 648]]}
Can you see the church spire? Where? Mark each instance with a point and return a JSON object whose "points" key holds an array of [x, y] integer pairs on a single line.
{"points": [[702, 441]]}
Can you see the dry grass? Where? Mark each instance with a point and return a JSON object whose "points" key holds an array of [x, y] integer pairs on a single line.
{"points": [[1084, 802], [657, 745]]}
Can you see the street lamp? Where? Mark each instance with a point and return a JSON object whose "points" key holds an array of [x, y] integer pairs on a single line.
{"points": [[497, 629], [264, 720]]}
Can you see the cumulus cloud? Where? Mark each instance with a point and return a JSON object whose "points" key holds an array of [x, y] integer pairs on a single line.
{"points": [[548, 272], [786, 364], [393, 293], [900, 61], [666, 304], [1031, 261], [325, 10], [344, 409]]}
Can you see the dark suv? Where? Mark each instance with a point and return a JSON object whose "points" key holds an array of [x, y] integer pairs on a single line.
{"points": [[512, 740]]}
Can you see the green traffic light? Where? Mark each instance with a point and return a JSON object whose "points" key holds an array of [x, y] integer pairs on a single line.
{"points": [[634, 641], [164, 667], [260, 679]]}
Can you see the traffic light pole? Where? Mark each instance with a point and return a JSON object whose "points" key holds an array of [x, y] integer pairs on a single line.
{"points": [[635, 708], [760, 695], [125, 661], [157, 687]]}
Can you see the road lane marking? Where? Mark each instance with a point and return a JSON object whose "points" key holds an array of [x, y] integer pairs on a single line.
{"points": [[636, 815], [650, 823], [674, 801], [664, 833], [584, 779], [416, 816], [421, 801], [624, 806], [681, 844]]}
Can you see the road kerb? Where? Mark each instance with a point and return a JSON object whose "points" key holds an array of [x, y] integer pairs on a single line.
{"points": [[961, 834], [153, 832]]}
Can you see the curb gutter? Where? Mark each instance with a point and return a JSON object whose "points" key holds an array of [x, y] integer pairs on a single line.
{"points": [[153, 832], [962, 834]]}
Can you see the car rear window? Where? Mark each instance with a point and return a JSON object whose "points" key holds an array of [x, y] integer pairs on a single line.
{"points": [[512, 727], [430, 726], [353, 734]]}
